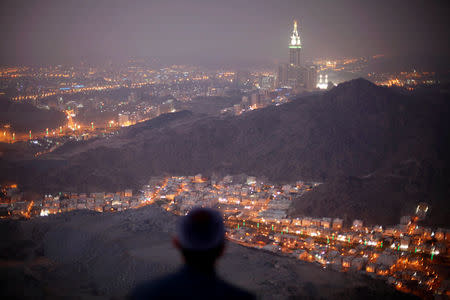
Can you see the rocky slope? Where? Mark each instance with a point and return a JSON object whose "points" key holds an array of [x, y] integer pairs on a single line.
{"points": [[102, 256]]}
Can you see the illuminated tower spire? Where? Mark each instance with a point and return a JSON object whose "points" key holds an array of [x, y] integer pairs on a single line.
{"points": [[295, 38], [295, 48]]}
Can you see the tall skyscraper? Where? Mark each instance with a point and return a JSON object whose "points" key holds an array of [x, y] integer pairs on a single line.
{"points": [[295, 48], [297, 74]]}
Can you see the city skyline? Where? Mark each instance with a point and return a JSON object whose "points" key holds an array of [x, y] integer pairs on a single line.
{"points": [[317, 131]]}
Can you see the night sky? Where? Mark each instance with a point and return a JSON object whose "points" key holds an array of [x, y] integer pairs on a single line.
{"points": [[233, 30]]}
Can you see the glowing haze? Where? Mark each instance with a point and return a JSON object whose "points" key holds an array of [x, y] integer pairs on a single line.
{"points": [[233, 30]]}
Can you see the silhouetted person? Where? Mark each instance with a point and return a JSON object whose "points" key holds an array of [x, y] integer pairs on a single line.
{"points": [[201, 240]]}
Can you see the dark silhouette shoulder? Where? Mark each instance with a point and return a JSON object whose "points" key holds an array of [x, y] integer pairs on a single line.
{"points": [[189, 284]]}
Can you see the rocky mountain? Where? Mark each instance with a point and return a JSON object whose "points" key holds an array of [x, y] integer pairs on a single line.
{"points": [[366, 143], [381, 197], [103, 256]]}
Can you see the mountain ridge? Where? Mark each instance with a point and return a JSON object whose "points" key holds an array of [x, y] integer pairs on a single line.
{"points": [[355, 129]]}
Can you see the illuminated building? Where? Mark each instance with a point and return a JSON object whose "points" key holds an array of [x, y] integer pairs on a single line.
{"points": [[421, 210], [295, 48], [128, 193], [370, 268], [323, 82], [266, 82], [337, 224], [325, 222], [123, 120], [404, 243], [296, 74], [251, 180], [357, 225]]}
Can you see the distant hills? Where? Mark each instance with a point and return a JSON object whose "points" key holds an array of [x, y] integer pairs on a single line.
{"points": [[24, 116], [378, 152]]}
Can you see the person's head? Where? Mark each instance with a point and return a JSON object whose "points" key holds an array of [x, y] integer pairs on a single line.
{"points": [[201, 237]]}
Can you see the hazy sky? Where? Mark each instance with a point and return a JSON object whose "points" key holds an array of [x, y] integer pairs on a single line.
{"points": [[40, 31]]}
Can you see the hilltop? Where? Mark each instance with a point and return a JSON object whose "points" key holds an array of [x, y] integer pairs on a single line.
{"points": [[102, 256]]}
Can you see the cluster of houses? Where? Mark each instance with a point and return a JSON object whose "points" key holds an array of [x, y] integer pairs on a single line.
{"points": [[256, 215], [403, 255], [243, 196], [16, 205]]}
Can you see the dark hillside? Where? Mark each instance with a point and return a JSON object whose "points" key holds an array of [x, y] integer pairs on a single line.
{"points": [[354, 130], [24, 117]]}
